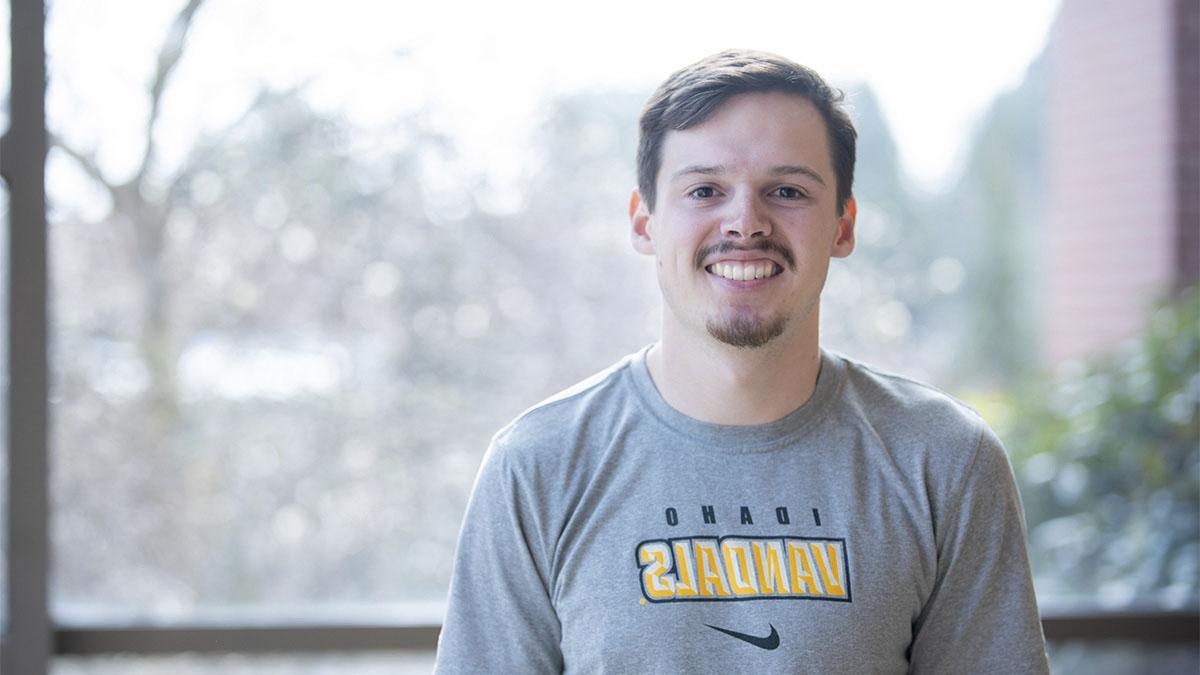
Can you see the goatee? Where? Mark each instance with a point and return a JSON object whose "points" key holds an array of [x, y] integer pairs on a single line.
{"points": [[746, 332]]}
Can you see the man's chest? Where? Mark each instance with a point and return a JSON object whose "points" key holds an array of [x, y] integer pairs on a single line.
{"points": [[768, 573]]}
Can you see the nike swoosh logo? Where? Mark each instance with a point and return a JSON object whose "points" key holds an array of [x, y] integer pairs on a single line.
{"points": [[769, 642]]}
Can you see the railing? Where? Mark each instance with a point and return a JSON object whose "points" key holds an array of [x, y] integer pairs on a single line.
{"points": [[1148, 626]]}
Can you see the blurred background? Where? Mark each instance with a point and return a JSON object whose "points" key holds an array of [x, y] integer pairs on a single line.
{"points": [[305, 258]]}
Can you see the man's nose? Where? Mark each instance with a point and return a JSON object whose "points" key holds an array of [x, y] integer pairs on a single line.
{"points": [[746, 220]]}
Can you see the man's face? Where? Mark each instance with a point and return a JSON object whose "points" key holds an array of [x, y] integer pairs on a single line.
{"points": [[746, 220]]}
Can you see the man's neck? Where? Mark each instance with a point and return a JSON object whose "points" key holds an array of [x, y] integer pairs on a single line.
{"points": [[714, 382]]}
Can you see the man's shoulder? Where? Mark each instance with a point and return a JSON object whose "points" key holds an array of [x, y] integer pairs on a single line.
{"points": [[936, 439], [567, 418], [906, 404]]}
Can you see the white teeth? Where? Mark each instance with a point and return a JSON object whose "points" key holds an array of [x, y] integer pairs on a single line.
{"points": [[743, 272]]}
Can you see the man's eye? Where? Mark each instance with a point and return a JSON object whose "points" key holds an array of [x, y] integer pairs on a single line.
{"points": [[703, 192], [789, 192]]}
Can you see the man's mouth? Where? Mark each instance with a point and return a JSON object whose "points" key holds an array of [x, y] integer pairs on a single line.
{"points": [[738, 271], [728, 268]]}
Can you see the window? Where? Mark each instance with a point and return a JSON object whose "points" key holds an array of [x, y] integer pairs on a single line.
{"points": [[293, 293]]}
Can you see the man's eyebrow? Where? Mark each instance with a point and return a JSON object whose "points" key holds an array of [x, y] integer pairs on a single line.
{"points": [[781, 170], [702, 169], [793, 169]]}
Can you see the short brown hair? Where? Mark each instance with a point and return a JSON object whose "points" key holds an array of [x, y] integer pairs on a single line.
{"points": [[692, 95]]}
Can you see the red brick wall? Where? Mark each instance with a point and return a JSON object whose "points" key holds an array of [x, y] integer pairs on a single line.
{"points": [[1111, 225]]}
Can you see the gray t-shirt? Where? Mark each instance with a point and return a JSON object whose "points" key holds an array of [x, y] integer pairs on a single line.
{"points": [[876, 529]]}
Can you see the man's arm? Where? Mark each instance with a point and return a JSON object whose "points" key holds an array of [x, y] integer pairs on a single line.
{"points": [[982, 615], [500, 618]]}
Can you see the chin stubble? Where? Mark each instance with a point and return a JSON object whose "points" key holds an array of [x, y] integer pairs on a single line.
{"points": [[747, 333]]}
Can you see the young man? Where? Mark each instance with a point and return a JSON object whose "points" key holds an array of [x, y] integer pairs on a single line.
{"points": [[733, 498]]}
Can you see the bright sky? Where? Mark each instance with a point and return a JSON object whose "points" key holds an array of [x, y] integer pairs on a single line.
{"points": [[480, 69]]}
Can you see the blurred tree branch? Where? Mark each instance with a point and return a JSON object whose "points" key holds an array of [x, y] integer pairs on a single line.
{"points": [[86, 161], [147, 217], [169, 55], [168, 59]]}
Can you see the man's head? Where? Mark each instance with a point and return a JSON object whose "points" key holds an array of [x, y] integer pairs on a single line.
{"points": [[745, 168], [691, 95]]}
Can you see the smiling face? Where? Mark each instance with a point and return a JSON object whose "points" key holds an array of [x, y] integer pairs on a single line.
{"points": [[745, 221]]}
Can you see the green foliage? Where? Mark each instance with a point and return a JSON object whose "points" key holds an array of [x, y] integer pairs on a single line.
{"points": [[1108, 456]]}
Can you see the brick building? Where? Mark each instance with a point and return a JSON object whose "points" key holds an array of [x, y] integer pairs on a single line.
{"points": [[1122, 166]]}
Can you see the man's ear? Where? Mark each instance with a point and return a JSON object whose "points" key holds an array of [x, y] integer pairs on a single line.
{"points": [[843, 243], [639, 220]]}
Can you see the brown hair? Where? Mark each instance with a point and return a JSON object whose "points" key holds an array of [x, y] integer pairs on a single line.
{"points": [[692, 95]]}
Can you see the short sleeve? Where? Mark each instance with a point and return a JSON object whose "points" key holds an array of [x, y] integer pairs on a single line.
{"points": [[982, 615], [499, 618]]}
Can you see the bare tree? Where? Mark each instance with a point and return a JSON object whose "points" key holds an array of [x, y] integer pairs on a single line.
{"points": [[143, 213]]}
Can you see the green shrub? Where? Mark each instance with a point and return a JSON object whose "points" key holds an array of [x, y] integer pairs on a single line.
{"points": [[1107, 454]]}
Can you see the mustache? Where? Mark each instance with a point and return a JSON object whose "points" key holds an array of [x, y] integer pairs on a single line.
{"points": [[764, 245]]}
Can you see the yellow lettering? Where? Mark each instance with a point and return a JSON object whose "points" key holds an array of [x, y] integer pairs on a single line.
{"points": [[655, 582], [737, 565], [768, 560], [804, 582], [831, 569], [708, 569], [736, 568], [685, 567]]}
